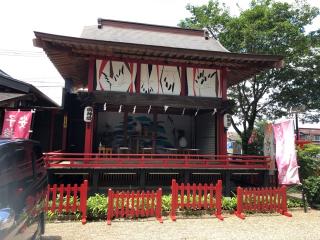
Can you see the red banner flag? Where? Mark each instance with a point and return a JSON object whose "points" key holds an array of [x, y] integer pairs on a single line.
{"points": [[16, 124]]}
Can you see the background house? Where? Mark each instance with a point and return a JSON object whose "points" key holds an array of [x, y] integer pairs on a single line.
{"points": [[310, 134], [46, 123]]}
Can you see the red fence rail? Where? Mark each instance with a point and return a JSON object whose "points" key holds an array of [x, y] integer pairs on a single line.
{"points": [[196, 197], [262, 200], [134, 204], [70, 195], [178, 161]]}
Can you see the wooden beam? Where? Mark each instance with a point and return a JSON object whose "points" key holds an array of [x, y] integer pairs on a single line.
{"points": [[123, 98], [92, 63]]}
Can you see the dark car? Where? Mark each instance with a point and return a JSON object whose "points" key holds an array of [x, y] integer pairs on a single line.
{"points": [[23, 183]]}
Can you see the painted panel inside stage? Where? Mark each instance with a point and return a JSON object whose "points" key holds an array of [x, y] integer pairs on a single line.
{"points": [[166, 133]]}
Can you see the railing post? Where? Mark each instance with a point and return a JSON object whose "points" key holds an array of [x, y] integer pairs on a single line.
{"points": [[159, 205], [219, 200], [284, 210], [75, 192], [61, 191], [47, 198], [174, 200], [110, 207], [239, 211], [68, 197], [54, 197], [83, 201]]}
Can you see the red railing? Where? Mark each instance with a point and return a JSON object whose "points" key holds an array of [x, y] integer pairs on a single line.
{"points": [[178, 161], [65, 198], [261, 200], [196, 197], [134, 204]]}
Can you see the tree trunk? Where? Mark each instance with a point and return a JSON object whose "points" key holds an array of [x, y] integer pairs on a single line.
{"points": [[245, 143]]}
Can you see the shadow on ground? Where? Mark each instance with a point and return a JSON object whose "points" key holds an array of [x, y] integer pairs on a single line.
{"points": [[51, 238]]}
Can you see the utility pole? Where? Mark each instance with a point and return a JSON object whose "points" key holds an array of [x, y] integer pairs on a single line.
{"points": [[297, 138]]}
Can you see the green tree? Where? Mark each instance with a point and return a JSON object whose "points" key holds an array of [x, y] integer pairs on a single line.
{"points": [[267, 27]]}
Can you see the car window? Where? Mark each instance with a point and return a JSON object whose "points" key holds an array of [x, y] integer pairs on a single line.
{"points": [[6, 152], [20, 157], [37, 151]]}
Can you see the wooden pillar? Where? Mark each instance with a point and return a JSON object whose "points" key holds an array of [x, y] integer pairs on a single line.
{"points": [[222, 135], [53, 116], [138, 82], [88, 138], [142, 179], [221, 132], [125, 128], [89, 125], [227, 181], [183, 80], [64, 131], [154, 132], [95, 177], [265, 178], [187, 174], [91, 74]]}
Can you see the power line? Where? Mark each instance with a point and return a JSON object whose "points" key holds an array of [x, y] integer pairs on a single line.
{"points": [[50, 86], [41, 81], [21, 53]]}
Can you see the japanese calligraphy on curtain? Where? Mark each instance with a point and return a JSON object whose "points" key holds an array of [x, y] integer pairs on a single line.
{"points": [[116, 76], [157, 79]]}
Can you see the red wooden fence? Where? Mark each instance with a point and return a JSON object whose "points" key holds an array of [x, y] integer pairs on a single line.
{"points": [[197, 197], [58, 194], [134, 204], [262, 200]]}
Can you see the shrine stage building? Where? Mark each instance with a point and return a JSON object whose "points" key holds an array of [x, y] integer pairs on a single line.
{"points": [[144, 104]]}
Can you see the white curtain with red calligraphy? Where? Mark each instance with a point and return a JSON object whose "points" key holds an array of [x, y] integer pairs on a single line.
{"points": [[16, 124], [203, 82], [286, 156]]}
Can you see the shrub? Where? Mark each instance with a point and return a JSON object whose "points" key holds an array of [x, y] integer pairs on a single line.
{"points": [[229, 203], [309, 161], [311, 187], [97, 206], [294, 203], [166, 202]]}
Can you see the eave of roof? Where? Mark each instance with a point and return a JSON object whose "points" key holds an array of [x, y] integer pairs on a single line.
{"points": [[26, 88], [64, 50]]}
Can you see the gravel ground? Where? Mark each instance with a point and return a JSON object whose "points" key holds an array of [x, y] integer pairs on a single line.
{"points": [[258, 226]]}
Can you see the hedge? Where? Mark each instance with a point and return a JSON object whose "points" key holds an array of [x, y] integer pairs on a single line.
{"points": [[97, 208]]}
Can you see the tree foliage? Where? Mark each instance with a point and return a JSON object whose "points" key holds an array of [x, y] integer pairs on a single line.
{"points": [[266, 27], [309, 162]]}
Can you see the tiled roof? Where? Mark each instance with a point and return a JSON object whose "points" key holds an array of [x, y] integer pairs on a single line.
{"points": [[152, 35]]}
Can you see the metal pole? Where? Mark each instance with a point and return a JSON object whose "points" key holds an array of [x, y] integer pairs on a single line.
{"points": [[297, 137], [297, 127]]}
